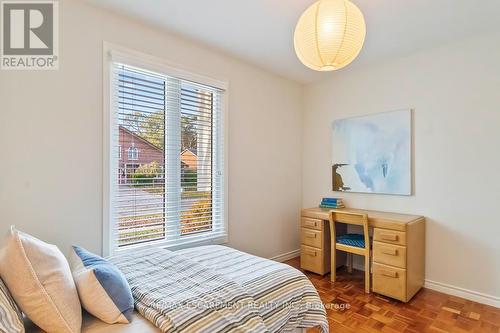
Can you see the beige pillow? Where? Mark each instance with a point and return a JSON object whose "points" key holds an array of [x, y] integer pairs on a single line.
{"points": [[39, 279]]}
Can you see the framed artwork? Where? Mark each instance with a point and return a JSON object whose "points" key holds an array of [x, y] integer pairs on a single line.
{"points": [[372, 154]]}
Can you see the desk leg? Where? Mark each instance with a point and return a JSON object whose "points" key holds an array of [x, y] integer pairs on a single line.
{"points": [[349, 262]]}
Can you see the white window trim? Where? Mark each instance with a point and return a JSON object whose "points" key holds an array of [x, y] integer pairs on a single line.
{"points": [[136, 153], [117, 53]]}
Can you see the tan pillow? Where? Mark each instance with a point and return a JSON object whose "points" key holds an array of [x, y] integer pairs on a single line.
{"points": [[39, 278]]}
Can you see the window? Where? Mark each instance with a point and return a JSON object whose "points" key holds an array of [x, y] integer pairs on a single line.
{"points": [[133, 153], [174, 194], [130, 169]]}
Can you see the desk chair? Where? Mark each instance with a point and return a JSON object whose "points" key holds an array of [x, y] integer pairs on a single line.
{"points": [[350, 243]]}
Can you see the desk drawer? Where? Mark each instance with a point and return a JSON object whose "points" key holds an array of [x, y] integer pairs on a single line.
{"points": [[389, 281], [311, 259], [311, 237], [310, 223], [389, 236], [389, 254]]}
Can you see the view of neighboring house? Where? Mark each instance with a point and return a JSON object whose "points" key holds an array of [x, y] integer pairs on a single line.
{"points": [[135, 151], [189, 159]]}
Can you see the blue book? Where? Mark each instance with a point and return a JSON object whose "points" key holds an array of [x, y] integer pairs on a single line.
{"points": [[331, 206], [331, 200]]}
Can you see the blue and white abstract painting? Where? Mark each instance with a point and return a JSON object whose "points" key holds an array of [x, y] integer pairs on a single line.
{"points": [[372, 154]]}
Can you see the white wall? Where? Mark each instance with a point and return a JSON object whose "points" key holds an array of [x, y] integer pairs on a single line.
{"points": [[51, 137], [455, 91]]}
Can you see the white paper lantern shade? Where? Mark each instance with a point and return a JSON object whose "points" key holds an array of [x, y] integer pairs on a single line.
{"points": [[329, 35]]}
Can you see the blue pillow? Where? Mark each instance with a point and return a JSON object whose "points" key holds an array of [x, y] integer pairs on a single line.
{"points": [[104, 292]]}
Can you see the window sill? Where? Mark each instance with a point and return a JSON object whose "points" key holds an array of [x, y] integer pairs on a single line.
{"points": [[176, 245]]}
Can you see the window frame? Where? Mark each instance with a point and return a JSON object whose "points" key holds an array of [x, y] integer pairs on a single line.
{"points": [[134, 152], [115, 53]]}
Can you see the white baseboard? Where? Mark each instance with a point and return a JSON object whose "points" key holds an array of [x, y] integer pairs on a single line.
{"points": [[358, 266], [286, 256], [464, 293]]}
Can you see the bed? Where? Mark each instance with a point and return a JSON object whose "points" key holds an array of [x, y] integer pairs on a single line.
{"points": [[213, 289]]}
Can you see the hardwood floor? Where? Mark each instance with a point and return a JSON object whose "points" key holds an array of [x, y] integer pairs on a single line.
{"points": [[349, 309]]}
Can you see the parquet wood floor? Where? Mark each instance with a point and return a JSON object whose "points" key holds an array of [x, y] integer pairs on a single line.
{"points": [[350, 310]]}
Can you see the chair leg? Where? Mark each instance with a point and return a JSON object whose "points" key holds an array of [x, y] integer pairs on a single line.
{"points": [[349, 262], [333, 267], [367, 274]]}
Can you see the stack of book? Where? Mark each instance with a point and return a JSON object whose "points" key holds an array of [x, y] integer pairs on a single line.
{"points": [[331, 203]]}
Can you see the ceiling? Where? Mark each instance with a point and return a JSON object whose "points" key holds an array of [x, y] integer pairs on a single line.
{"points": [[261, 31]]}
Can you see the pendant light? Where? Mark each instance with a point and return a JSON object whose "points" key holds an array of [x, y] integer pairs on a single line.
{"points": [[329, 35]]}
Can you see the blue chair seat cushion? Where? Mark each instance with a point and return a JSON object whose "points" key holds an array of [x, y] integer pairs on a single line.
{"points": [[356, 240]]}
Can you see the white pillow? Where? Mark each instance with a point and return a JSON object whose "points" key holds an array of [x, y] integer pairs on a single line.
{"points": [[39, 279], [11, 318]]}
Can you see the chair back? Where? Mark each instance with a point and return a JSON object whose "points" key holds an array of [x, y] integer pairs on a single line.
{"points": [[349, 217]]}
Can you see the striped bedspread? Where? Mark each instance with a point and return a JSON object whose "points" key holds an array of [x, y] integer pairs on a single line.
{"points": [[285, 297], [218, 289]]}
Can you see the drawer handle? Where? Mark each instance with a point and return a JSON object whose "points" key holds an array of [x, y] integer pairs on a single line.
{"points": [[310, 235], [390, 252], [391, 274], [389, 237], [310, 223], [310, 252]]}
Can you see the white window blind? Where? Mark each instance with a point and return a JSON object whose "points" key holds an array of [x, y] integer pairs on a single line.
{"points": [[169, 188]]}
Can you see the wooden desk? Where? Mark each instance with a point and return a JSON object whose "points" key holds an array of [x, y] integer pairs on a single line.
{"points": [[398, 252]]}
